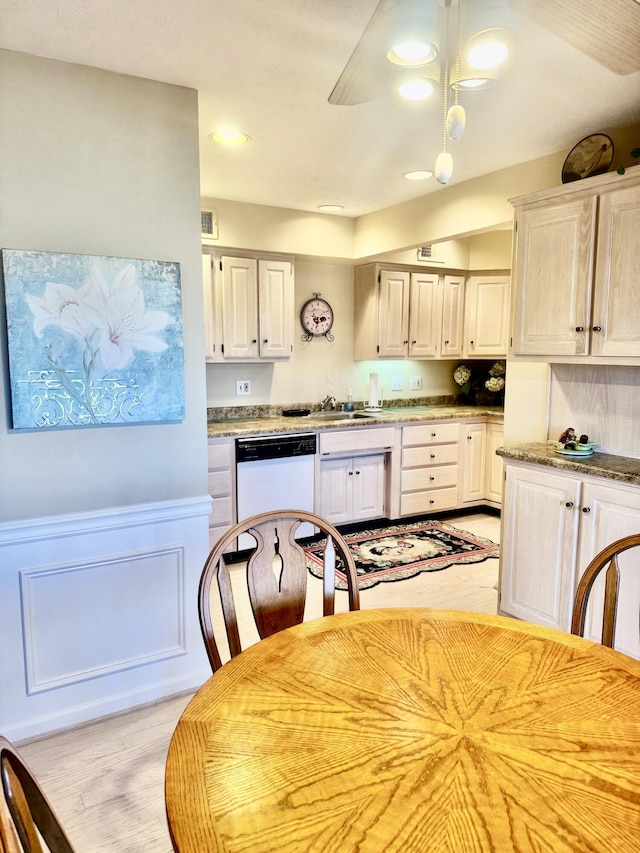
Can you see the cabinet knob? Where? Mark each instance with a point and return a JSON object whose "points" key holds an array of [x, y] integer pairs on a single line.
{"points": [[597, 328], [431, 501], [357, 472], [446, 342], [586, 509], [433, 434], [469, 437], [569, 504], [471, 342], [413, 342], [265, 341], [432, 478], [254, 341], [433, 455], [406, 342], [351, 473], [579, 328]]}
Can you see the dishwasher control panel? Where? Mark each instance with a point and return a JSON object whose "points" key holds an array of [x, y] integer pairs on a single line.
{"points": [[275, 447]]}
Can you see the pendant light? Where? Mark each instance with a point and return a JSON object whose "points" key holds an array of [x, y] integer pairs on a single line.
{"points": [[454, 119], [456, 116]]}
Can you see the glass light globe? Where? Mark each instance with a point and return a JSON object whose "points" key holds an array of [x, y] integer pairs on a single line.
{"points": [[456, 121], [444, 167]]}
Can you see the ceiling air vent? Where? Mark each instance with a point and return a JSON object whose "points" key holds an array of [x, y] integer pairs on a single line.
{"points": [[209, 224]]}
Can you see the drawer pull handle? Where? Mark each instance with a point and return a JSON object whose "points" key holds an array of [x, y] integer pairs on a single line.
{"points": [[569, 504], [586, 509], [433, 434], [431, 501], [433, 455], [579, 328], [432, 478], [597, 328]]}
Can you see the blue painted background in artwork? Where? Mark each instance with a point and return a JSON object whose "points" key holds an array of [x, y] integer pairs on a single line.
{"points": [[93, 340]]}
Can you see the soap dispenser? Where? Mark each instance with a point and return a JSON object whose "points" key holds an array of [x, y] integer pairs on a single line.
{"points": [[348, 406]]}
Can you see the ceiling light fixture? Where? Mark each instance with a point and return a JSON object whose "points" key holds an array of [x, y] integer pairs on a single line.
{"points": [[414, 35], [416, 89], [418, 175], [229, 137], [330, 208], [468, 79], [488, 34]]}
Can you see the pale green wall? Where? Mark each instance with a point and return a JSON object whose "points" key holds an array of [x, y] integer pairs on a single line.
{"points": [[98, 163]]}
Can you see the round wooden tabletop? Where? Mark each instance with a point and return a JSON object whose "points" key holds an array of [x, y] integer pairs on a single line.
{"points": [[381, 731]]}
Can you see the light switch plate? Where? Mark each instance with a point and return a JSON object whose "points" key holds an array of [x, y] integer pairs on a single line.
{"points": [[416, 383], [396, 383]]}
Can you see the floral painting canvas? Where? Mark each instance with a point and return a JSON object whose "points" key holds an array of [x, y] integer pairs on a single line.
{"points": [[93, 340]]}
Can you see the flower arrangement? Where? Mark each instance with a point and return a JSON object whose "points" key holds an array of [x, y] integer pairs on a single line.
{"points": [[482, 386]]}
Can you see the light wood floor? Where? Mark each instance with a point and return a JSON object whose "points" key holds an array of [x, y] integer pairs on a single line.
{"points": [[106, 779]]}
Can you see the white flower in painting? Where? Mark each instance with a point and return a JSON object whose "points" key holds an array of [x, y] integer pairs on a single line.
{"points": [[127, 327], [61, 306]]}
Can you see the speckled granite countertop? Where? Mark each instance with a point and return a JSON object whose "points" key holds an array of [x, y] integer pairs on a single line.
{"points": [[625, 469], [223, 423]]}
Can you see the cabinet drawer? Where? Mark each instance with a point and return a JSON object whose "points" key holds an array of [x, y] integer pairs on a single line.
{"points": [[357, 440], [221, 512], [439, 454], [430, 434], [220, 483], [415, 479], [220, 454], [417, 503]]}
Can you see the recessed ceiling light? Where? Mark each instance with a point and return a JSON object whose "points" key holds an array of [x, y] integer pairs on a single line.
{"points": [[418, 175], [330, 208], [229, 137]]}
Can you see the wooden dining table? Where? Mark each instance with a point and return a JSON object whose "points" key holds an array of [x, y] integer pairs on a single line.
{"points": [[395, 730]]}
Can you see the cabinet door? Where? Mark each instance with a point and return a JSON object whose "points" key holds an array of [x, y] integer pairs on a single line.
{"points": [[424, 315], [453, 288], [539, 546], [474, 453], [494, 466], [553, 278], [240, 307], [367, 487], [486, 315], [275, 289], [615, 329], [335, 490], [393, 314], [609, 513], [211, 342]]}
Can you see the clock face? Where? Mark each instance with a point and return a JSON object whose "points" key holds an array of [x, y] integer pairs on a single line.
{"points": [[316, 317]]}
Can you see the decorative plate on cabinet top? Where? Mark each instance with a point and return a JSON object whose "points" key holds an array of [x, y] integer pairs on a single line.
{"points": [[591, 156]]}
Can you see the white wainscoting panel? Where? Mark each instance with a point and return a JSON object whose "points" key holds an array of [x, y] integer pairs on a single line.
{"points": [[99, 613]]}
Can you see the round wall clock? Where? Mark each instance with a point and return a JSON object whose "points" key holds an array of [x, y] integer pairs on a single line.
{"points": [[316, 317]]}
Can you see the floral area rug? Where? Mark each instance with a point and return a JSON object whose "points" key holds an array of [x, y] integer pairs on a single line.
{"points": [[403, 551]]}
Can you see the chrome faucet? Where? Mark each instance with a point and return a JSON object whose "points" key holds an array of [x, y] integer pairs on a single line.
{"points": [[328, 400]]}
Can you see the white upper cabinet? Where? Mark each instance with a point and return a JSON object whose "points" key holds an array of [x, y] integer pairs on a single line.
{"points": [[249, 307], [576, 265], [486, 316]]}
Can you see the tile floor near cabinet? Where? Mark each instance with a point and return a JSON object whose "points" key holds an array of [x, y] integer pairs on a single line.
{"points": [[106, 779]]}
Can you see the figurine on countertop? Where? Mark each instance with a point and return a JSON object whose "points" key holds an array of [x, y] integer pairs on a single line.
{"points": [[568, 435]]}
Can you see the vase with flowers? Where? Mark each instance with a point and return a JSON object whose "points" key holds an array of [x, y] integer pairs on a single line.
{"points": [[480, 384]]}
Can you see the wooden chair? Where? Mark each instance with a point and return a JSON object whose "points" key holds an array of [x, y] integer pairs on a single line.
{"points": [[276, 575], [26, 816], [608, 557]]}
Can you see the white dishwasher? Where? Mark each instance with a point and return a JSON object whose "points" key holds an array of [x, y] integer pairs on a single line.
{"points": [[275, 472]]}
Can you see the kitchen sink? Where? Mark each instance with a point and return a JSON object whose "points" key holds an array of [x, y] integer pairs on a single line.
{"points": [[338, 416]]}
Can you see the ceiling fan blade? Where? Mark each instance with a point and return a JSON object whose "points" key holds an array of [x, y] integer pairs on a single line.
{"points": [[608, 33], [367, 72]]}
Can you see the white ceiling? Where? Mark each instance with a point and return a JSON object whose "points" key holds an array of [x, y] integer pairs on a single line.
{"points": [[269, 67]]}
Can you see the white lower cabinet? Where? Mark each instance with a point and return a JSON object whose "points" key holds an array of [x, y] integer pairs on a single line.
{"points": [[474, 461], [553, 524], [494, 477], [352, 489], [429, 468], [221, 455]]}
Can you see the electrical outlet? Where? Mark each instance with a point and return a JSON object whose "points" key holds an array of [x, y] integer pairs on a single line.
{"points": [[243, 386], [396, 383], [416, 383]]}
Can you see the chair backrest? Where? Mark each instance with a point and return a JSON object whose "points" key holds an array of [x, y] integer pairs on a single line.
{"points": [[276, 574], [26, 816], [608, 557]]}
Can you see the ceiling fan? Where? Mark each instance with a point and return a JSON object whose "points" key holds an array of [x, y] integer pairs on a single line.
{"points": [[608, 32]]}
